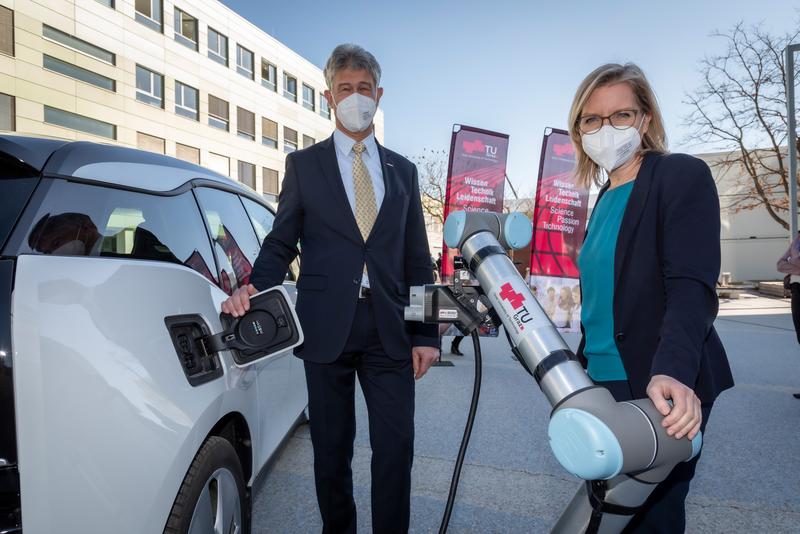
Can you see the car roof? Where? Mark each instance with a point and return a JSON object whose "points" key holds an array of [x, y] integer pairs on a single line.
{"points": [[112, 164]]}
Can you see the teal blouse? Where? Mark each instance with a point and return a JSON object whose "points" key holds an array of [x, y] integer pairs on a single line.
{"points": [[596, 265]]}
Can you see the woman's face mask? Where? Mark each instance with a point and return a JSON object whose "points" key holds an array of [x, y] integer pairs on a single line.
{"points": [[611, 147]]}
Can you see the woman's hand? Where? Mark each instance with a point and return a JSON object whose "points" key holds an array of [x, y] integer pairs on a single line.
{"points": [[683, 418]]}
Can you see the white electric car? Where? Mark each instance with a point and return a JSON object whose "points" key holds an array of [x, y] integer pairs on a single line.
{"points": [[115, 416]]}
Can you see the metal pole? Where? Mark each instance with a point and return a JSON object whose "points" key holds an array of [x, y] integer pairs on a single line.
{"points": [[791, 138]]}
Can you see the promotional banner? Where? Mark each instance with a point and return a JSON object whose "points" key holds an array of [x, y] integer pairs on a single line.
{"points": [[475, 182], [559, 225], [475, 178]]}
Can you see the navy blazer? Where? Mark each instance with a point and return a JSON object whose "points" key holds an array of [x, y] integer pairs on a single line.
{"points": [[314, 211], [666, 266]]}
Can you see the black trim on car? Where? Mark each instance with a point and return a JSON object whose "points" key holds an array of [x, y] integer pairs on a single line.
{"points": [[10, 507], [30, 151], [188, 185]]}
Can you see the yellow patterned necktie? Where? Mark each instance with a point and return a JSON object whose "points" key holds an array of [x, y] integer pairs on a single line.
{"points": [[366, 208]]}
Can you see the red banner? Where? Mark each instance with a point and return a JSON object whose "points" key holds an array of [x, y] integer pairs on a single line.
{"points": [[559, 225], [475, 177]]}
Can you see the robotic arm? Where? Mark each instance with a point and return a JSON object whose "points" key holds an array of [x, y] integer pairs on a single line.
{"points": [[619, 448]]}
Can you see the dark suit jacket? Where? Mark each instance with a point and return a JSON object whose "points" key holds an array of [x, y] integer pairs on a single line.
{"points": [[666, 265], [313, 210]]}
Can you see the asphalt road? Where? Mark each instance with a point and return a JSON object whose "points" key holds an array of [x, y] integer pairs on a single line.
{"points": [[748, 479]]}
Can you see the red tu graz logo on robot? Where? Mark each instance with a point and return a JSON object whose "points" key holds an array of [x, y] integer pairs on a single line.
{"points": [[521, 313]]}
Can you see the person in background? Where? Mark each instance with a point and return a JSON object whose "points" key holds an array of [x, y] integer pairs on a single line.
{"points": [[648, 270], [563, 310], [789, 264], [454, 346], [354, 207], [550, 303], [575, 317]]}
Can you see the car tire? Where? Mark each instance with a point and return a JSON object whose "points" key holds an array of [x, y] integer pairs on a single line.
{"points": [[212, 496]]}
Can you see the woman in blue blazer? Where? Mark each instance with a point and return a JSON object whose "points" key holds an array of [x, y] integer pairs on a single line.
{"points": [[649, 266]]}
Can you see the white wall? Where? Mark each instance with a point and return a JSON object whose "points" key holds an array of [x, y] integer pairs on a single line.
{"points": [[751, 240]]}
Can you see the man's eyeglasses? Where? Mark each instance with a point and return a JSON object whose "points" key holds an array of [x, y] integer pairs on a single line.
{"points": [[621, 120]]}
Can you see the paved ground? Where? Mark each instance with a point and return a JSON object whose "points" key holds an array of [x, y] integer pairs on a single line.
{"points": [[748, 479]]}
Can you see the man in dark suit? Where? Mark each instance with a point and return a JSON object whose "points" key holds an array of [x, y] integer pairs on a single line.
{"points": [[354, 207]]}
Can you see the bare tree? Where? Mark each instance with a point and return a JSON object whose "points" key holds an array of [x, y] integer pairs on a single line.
{"points": [[740, 108], [432, 168]]}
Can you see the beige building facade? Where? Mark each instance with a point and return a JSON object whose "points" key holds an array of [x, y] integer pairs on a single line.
{"points": [[190, 79], [750, 239]]}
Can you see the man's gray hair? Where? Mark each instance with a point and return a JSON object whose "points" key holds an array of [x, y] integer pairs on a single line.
{"points": [[351, 56]]}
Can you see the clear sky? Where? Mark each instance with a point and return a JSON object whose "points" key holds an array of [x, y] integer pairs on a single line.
{"points": [[511, 66]]}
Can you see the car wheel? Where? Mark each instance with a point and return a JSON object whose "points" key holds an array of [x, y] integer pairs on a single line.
{"points": [[211, 498]]}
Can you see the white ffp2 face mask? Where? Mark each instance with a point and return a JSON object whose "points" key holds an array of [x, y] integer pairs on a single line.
{"points": [[356, 112], [610, 147]]}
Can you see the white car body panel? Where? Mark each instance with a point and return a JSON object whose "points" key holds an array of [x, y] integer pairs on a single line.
{"points": [[107, 423]]}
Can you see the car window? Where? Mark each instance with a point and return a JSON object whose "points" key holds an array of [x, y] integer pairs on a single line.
{"points": [[235, 242], [88, 220], [263, 219]]}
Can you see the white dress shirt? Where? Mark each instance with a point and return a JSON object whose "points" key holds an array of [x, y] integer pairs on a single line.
{"points": [[372, 161]]}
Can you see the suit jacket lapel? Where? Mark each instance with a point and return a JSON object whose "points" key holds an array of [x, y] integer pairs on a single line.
{"points": [[330, 168], [388, 187], [633, 213]]}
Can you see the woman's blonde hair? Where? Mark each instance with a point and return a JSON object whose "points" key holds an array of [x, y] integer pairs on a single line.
{"points": [[655, 140]]}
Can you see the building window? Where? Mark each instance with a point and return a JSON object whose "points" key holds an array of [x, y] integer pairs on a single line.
{"points": [[324, 109], [8, 113], [150, 143], [244, 62], [217, 46], [149, 13], [186, 101], [245, 124], [269, 181], [220, 164], [149, 87], [290, 87], [6, 31], [289, 139], [109, 3], [73, 121], [185, 29], [187, 153], [218, 113], [78, 73], [308, 97], [308, 141], [269, 133], [247, 174], [78, 45], [269, 75]]}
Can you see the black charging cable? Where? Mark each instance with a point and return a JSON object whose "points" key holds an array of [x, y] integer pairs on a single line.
{"points": [[462, 451]]}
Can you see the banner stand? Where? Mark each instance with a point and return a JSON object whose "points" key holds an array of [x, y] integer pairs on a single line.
{"points": [[559, 225]]}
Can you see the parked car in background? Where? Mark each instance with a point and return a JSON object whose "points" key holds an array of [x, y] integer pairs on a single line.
{"points": [[114, 414]]}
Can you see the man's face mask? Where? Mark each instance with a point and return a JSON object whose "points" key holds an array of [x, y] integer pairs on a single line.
{"points": [[356, 112]]}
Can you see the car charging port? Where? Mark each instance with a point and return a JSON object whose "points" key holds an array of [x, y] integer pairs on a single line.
{"points": [[190, 337], [269, 327]]}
